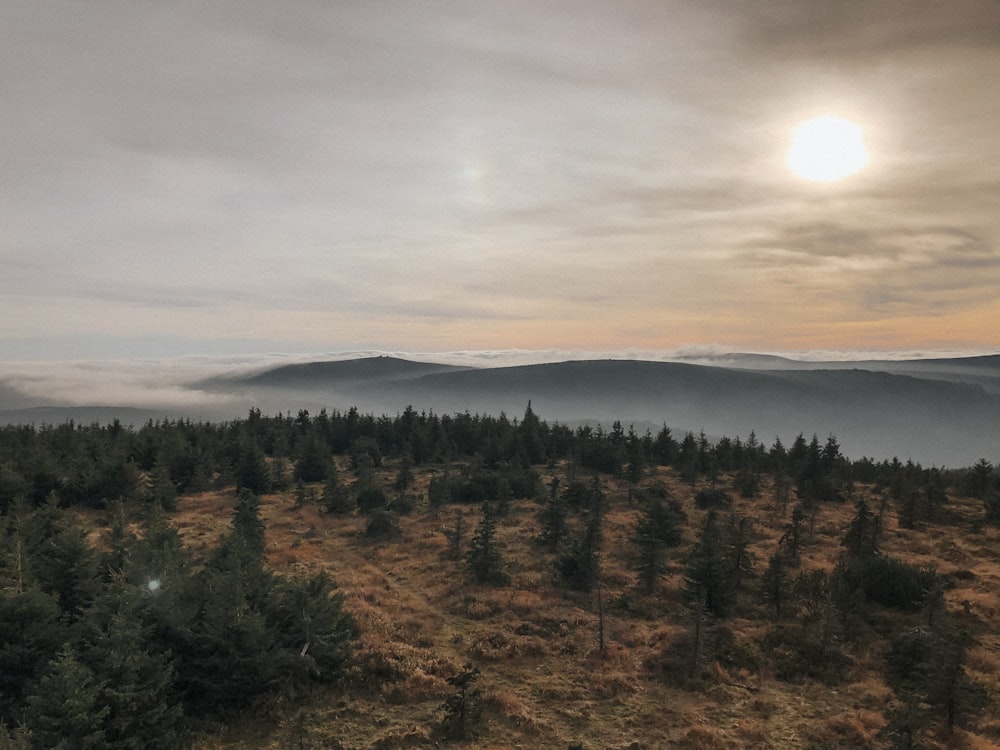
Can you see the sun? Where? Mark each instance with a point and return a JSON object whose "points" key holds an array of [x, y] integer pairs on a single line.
{"points": [[827, 148]]}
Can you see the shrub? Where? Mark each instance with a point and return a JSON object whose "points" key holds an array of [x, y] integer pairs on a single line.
{"points": [[713, 499], [888, 581]]}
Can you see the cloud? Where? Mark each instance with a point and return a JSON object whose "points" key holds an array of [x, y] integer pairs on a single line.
{"points": [[888, 270], [853, 30], [504, 174]]}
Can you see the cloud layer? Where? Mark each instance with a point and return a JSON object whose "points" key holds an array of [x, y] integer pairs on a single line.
{"points": [[316, 176]]}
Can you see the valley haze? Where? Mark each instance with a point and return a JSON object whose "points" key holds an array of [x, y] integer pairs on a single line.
{"points": [[940, 411]]}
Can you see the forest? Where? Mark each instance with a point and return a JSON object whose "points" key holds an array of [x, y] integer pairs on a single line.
{"points": [[350, 580]]}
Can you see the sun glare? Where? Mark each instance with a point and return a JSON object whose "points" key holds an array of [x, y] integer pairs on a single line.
{"points": [[827, 148]]}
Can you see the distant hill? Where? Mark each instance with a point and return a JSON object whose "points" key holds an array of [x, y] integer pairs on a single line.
{"points": [[910, 413], [364, 370], [943, 412], [982, 370]]}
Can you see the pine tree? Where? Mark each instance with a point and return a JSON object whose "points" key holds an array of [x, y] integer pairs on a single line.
{"points": [[552, 517], [160, 490], [137, 682], [775, 585], [711, 578], [462, 708], [312, 463], [862, 537], [336, 496], [484, 559], [659, 527], [926, 671], [31, 634], [60, 560], [580, 565], [738, 541], [252, 472], [64, 708], [314, 632]]}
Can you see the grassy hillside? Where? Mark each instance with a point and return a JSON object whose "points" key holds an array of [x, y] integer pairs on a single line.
{"points": [[545, 680]]}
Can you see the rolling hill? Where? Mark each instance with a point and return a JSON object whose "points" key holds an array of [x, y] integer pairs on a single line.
{"points": [[937, 412]]}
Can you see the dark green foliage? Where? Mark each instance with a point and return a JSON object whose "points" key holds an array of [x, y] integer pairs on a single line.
{"points": [[314, 632], [637, 450], [381, 524], [439, 490], [807, 650], [336, 497], [252, 472], [30, 635], [711, 577], [136, 682], [530, 438], [463, 708], [484, 559], [713, 499], [579, 565], [926, 671], [811, 646], [600, 451], [13, 486], [738, 541], [775, 585], [160, 489], [371, 498], [552, 517], [64, 709], [59, 559], [659, 527], [312, 463], [477, 486], [404, 477], [664, 447], [862, 537], [888, 582]]}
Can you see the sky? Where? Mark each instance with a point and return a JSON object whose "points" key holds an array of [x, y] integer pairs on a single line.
{"points": [[237, 178]]}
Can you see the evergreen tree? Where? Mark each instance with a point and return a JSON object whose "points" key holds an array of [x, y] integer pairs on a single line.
{"points": [[580, 565], [314, 632], [61, 561], [160, 490], [552, 517], [775, 585], [484, 559], [659, 527], [531, 444], [404, 477], [64, 708], [252, 472], [635, 457], [336, 496], [462, 708], [665, 447], [926, 671], [711, 578], [136, 682], [30, 636], [862, 537], [312, 462]]}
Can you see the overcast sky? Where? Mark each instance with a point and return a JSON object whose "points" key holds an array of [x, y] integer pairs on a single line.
{"points": [[257, 176]]}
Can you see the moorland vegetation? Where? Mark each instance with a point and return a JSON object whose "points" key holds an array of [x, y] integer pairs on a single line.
{"points": [[345, 580]]}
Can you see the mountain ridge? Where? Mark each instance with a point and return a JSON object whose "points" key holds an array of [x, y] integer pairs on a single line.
{"points": [[947, 420]]}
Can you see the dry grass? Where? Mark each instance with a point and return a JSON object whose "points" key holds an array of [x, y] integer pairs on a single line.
{"points": [[544, 679]]}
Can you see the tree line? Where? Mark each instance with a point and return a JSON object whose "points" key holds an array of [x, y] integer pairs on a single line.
{"points": [[136, 644]]}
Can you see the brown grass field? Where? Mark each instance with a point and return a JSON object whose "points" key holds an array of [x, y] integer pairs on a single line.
{"points": [[544, 680]]}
